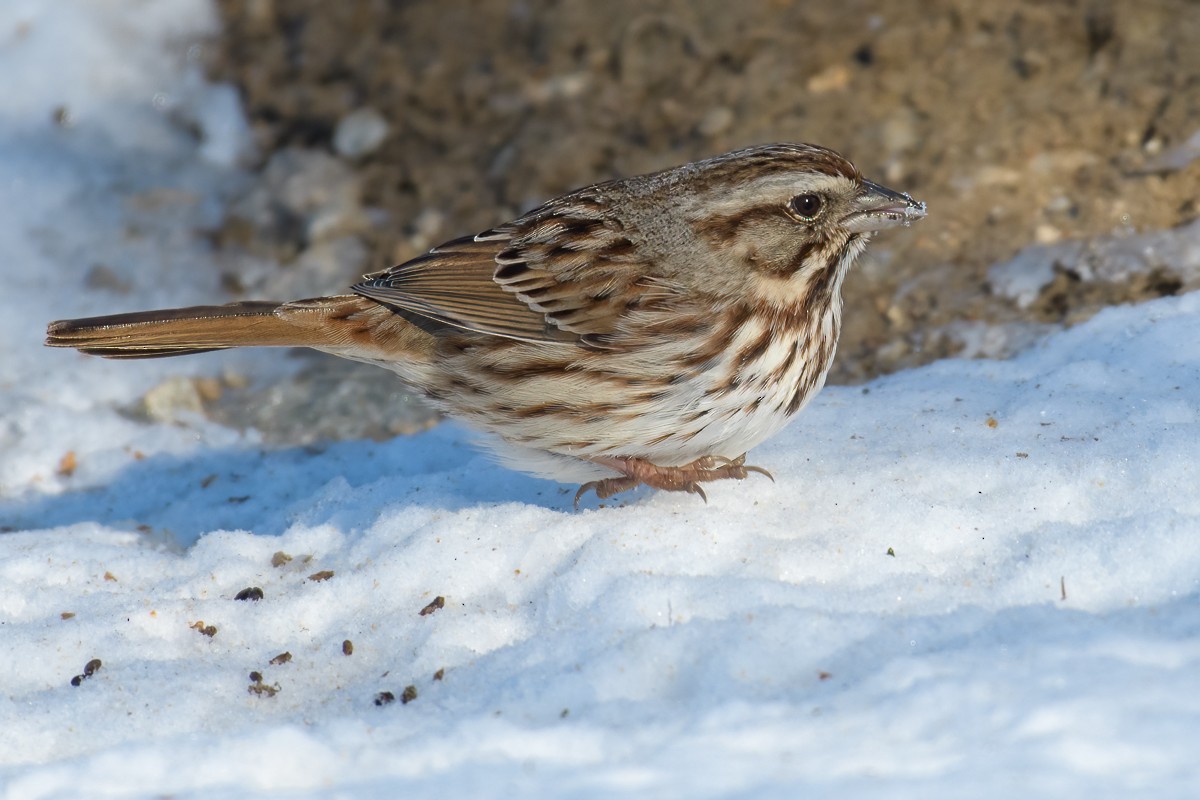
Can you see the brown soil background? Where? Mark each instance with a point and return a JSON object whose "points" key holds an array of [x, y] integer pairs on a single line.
{"points": [[1017, 122]]}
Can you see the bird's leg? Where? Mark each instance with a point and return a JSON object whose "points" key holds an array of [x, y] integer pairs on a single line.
{"points": [[686, 478]]}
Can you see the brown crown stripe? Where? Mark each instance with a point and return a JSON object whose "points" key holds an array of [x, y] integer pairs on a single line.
{"points": [[784, 157]]}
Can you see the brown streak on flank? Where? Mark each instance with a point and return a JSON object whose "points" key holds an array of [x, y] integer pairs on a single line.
{"points": [[663, 438], [558, 370], [687, 437], [530, 370], [738, 316], [798, 398], [459, 385], [734, 321], [699, 359], [713, 346], [479, 386], [729, 384], [601, 409], [676, 325], [470, 386], [789, 360], [814, 369], [613, 378], [695, 433], [529, 412]]}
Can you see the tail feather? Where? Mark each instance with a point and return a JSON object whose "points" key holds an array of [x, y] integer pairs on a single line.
{"points": [[346, 325], [180, 331]]}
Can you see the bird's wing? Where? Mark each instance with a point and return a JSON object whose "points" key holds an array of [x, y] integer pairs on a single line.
{"points": [[565, 272]]}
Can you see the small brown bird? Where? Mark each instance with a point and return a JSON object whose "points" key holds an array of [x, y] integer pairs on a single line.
{"points": [[649, 330]]}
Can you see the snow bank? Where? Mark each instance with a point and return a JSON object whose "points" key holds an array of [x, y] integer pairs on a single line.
{"points": [[977, 574]]}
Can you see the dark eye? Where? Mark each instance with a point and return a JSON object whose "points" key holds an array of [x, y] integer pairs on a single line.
{"points": [[805, 206]]}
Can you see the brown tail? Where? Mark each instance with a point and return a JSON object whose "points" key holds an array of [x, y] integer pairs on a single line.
{"points": [[330, 322]]}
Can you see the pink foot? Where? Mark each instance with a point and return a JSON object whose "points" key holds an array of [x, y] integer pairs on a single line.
{"points": [[637, 471]]}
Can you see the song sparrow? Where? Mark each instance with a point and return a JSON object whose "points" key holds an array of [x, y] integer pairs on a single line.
{"points": [[649, 330]]}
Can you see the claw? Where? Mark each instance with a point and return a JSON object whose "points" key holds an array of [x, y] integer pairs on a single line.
{"points": [[685, 478], [587, 487], [760, 471], [605, 488], [740, 461]]}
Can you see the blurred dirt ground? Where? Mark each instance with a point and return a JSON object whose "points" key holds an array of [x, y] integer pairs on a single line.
{"points": [[1019, 123]]}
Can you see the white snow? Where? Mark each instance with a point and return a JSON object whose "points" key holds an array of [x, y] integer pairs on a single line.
{"points": [[1115, 259], [1035, 634]]}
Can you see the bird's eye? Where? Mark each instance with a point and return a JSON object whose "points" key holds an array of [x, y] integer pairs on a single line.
{"points": [[805, 206]]}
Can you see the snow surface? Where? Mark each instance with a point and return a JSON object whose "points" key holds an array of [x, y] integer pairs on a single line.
{"points": [[976, 579]]}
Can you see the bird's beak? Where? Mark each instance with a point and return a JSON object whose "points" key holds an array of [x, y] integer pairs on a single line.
{"points": [[878, 207]]}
